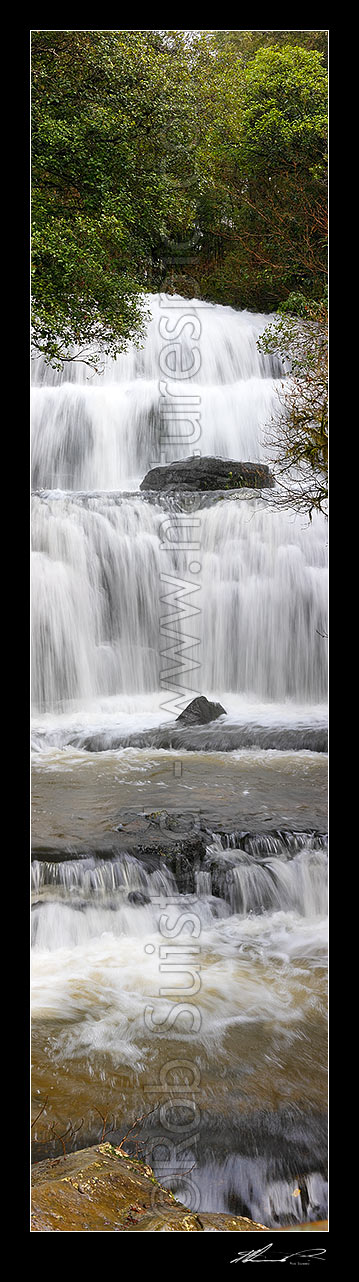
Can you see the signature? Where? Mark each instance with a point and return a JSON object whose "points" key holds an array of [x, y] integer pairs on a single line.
{"points": [[297, 1257]]}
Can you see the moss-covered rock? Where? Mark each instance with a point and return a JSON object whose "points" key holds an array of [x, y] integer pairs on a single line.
{"points": [[100, 1189], [208, 474]]}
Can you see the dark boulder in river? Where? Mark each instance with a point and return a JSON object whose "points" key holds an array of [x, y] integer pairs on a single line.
{"points": [[138, 897], [200, 711], [208, 474]]}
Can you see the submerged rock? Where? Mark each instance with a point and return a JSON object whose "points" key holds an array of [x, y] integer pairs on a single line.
{"points": [[138, 897], [227, 737], [102, 1190], [208, 474], [200, 711]]}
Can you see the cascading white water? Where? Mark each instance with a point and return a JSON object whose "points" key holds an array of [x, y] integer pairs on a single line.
{"points": [[107, 624], [100, 604], [269, 907], [104, 431], [277, 883], [228, 341], [100, 607], [80, 899], [108, 437]]}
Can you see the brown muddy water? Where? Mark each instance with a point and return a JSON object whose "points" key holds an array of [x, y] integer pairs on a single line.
{"points": [[80, 798]]}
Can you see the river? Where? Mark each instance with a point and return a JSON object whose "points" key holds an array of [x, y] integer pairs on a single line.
{"points": [[179, 874]]}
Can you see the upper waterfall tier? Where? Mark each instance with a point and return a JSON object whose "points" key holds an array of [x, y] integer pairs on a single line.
{"points": [[227, 341], [132, 598], [198, 384]]}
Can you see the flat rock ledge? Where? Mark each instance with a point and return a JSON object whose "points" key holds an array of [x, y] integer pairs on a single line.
{"points": [[208, 474], [102, 1190]]}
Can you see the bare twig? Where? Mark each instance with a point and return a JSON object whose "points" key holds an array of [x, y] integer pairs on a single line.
{"points": [[39, 1114], [136, 1123], [104, 1117]]}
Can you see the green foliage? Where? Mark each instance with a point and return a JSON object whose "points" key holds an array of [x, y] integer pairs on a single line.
{"points": [[104, 117], [284, 111], [247, 43], [295, 305], [188, 161], [298, 436], [298, 305], [271, 177]]}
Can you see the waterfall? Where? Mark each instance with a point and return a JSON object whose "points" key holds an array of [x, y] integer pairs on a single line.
{"points": [[253, 886], [164, 870], [101, 551], [78, 900], [98, 599]]}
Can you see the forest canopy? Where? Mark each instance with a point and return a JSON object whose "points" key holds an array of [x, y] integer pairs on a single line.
{"points": [[188, 161]]}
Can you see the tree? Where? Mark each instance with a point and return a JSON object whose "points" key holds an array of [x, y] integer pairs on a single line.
{"points": [[271, 185], [104, 115], [297, 437], [171, 155], [247, 43]]}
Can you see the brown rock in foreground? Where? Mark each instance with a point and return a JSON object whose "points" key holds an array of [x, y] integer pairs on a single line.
{"points": [[100, 1189]]}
